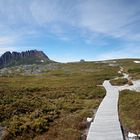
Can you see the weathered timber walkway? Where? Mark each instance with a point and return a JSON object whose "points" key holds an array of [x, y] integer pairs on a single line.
{"points": [[106, 125]]}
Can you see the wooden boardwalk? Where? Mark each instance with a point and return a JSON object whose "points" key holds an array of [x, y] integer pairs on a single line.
{"points": [[106, 125]]}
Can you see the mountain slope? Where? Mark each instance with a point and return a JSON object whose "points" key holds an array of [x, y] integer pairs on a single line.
{"points": [[27, 57]]}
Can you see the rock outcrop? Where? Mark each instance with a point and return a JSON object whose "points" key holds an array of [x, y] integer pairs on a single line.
{"points": [[27, 57]]}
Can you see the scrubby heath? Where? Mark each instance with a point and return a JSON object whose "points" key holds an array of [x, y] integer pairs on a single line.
{"points": [[129, 110], [130, 67], [119, 82], [129, 101], [52, 105]]}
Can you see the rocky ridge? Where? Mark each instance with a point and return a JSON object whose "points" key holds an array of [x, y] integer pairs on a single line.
{"points": [[27, 57]]}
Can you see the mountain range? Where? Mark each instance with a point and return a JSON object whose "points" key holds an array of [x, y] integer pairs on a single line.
{"points": [[20, 58]]}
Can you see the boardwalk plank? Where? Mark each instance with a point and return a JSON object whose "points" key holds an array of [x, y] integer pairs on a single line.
{"points": [[106, 125]]}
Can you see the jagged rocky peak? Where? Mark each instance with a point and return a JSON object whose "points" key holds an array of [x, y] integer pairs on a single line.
{"points": [[27, 57]]}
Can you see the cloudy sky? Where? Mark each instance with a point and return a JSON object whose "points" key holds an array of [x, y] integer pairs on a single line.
{"points": [[69, 30]]}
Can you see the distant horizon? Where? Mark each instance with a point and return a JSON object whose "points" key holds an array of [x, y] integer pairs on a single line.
{"points": [[72, 60], [72, 30]]}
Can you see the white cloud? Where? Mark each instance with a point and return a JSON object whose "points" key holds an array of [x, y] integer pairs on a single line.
{"points": [[113, 18], [48, 11], [94, 19], [117, 18]]}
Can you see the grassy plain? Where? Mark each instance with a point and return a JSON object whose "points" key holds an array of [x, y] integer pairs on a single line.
{"points": [[130, 67], [129, 101], [53, 105], [129, 109]]}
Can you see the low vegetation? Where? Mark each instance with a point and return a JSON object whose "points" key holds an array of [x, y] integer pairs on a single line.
{"points": [[132, 68], [52, 105], [129, 110], [119, 82], [135, 72]]}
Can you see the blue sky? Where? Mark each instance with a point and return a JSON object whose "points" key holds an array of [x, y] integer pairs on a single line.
{"points": [[70, 30]]}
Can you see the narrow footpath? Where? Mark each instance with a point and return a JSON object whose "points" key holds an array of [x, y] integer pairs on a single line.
{"points": [[106, 125]]}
